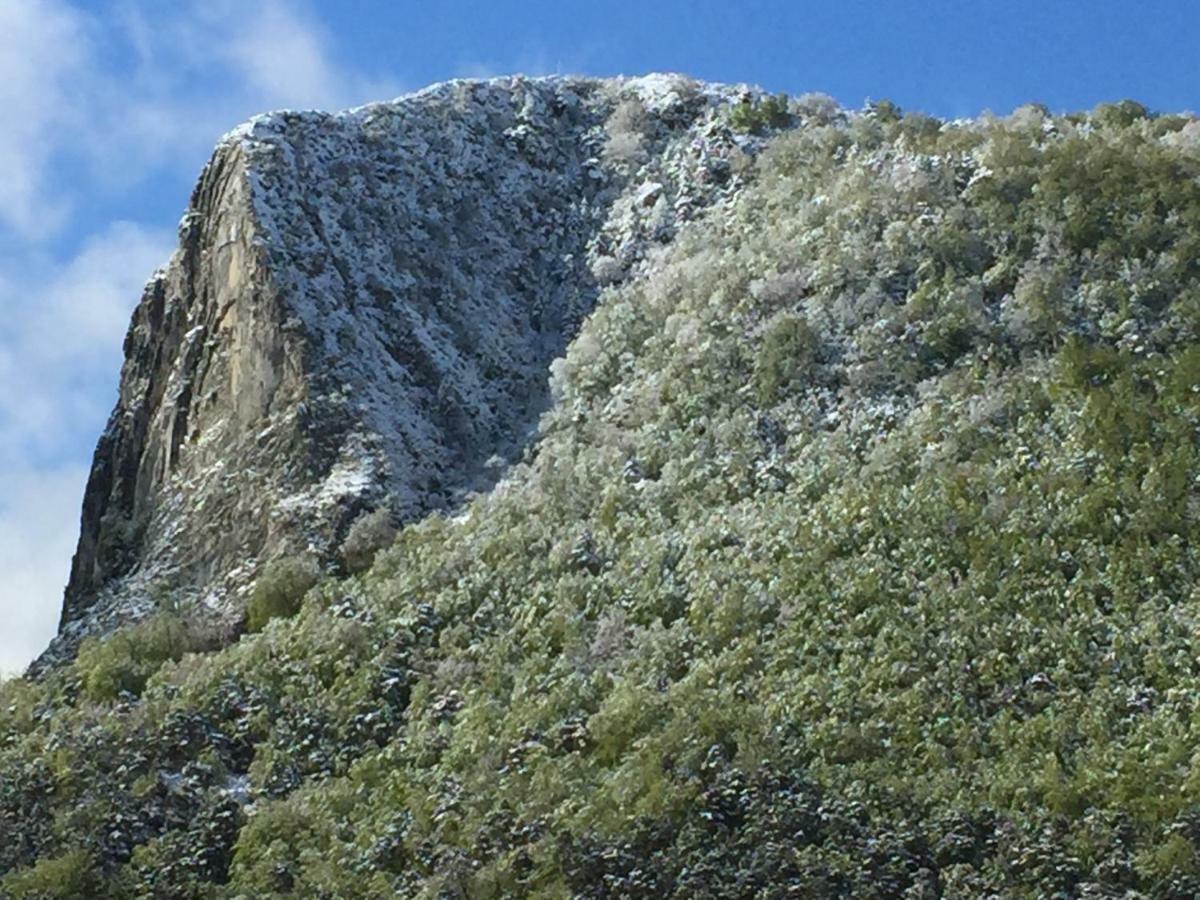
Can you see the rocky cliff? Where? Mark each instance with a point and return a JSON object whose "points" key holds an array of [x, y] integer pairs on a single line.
{"points": [[361, 314]]}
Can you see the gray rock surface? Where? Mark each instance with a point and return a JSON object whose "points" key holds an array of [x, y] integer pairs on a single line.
{"points": [[361, 313]]}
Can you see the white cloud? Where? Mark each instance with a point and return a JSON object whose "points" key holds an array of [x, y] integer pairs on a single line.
{"points": [[139, 86], [43, 49], [61, 337], [60, 354], [85, 310], [39, 515], [244, 58], [284, 58]]}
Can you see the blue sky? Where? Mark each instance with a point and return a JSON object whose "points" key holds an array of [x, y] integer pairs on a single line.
{"points": [[109, 108]]}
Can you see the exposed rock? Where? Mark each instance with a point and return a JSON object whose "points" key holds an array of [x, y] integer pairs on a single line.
{"points": [[362, 312]]}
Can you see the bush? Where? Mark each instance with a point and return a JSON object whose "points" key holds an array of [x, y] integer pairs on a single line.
{"points": [[1121, 114], [626, 129], [370, 533], [124, 661], [817, 108], [279, 591], [756, 117], [787, 355], [18, 700], [885, 111], [66, 877]]}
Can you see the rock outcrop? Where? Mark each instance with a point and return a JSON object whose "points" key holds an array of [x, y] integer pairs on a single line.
{"points": [[362, 312]]}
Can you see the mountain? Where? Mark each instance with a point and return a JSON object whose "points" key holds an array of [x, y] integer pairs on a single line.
{"points": [[642, 488], [361, 315]]}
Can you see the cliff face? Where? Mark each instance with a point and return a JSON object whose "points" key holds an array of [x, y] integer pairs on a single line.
{"points": [[362, 312], [206, 357]]}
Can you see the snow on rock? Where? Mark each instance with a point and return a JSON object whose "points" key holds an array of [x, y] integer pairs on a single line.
{"points": [[363, 310]]}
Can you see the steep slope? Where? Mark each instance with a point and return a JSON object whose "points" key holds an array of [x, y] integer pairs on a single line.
{"points": [[361, 315], [856, 556]]}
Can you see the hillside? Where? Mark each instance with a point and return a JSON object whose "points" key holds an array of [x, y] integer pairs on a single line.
{"points": [[854, 554]]}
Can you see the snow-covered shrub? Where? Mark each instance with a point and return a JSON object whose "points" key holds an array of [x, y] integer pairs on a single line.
{"points": [[816, 108], [626, 128]]}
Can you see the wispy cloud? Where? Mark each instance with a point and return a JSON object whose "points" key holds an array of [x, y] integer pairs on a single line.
{"points": [[284, 57], [60, 339], [138, 85], [43, 51], [35, 539], [60, 348], [97, 100]]}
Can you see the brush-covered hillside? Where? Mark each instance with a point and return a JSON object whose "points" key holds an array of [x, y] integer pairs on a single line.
{"points": [[855, 557]]}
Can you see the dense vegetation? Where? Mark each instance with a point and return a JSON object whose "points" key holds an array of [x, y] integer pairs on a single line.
{"points": [[857, 557]]}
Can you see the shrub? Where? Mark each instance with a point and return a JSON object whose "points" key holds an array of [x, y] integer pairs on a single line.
{"points": [[124, 661], [756, 117], [818, 108], [885, 111], [18, 700], [787, 355], [1121, 114], [370, 533], [626, 133], [279, 591], [66, 877]]}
